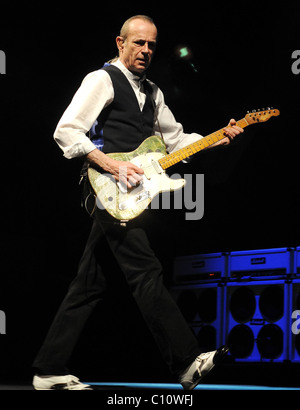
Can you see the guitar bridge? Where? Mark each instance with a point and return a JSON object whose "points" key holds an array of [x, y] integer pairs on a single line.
{"points": [[142, 196], [133, 200]]}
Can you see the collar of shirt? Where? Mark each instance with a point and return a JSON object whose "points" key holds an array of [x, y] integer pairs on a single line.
{"points": [[135, 81], [129, 74]]}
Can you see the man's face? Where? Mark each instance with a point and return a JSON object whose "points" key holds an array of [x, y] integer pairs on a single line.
{"points": [[137, 50]]}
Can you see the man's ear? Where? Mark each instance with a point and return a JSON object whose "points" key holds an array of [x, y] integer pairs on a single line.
{"points": [[120, 43]]}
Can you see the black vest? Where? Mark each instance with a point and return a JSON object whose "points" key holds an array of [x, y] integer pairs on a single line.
{"points": [[122, 126]]}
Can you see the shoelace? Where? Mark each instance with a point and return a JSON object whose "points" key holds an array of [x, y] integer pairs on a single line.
{"points": [[203, 356], [73, 381], [199, 359]]}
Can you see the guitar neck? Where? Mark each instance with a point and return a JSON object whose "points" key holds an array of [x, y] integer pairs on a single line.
{"points": [[177, 156]]}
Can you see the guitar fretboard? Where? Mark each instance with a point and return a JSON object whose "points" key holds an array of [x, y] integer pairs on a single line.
{"points": [[177, 156]]}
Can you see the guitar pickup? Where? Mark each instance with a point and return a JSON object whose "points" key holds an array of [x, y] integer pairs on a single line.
{"points": [[156, 166], [122, 187], [152, 168]]}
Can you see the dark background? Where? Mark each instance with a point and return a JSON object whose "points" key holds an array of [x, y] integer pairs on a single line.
{"points": [[242, 53]]}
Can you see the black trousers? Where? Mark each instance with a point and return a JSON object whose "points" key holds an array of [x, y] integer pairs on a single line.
{"points": [[143, 272]]}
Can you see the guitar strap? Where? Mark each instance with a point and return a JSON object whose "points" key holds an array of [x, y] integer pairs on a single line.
{"points": [[149, 88]]}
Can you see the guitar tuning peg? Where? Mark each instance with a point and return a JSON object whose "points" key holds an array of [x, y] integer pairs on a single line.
{"points": [[268, 108], [253, 110], [248, 112], [263, 109]]}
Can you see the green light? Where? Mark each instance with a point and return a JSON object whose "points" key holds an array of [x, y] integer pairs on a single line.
{"points": [[184, 52]]}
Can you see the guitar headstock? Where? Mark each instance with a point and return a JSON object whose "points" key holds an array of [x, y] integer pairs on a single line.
{"points": [[261, 115]]}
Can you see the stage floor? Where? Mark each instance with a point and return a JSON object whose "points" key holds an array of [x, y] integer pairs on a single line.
{"points": [[168, 386], [105, 386]]}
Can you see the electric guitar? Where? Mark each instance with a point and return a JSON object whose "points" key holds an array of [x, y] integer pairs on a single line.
{"points": [[125, 204]]}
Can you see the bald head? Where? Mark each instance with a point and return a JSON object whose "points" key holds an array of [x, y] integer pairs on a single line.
{"points": [[126, 26]]}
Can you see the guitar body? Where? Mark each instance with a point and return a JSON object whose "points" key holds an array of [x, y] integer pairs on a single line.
{"points": [[123, 203]]}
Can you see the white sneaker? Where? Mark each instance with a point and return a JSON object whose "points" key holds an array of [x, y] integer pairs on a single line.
{"points": [[201, 366], [68, 382]]}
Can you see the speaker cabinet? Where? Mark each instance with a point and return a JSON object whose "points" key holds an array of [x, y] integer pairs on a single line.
{"points": [[201, 306], [256, 321]]}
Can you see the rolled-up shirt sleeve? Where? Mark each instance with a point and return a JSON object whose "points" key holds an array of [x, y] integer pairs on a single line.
{"points": [[173, 133], [94, 94]]}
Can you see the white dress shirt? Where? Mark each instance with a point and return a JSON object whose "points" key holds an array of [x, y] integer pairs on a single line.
{"points": [[95, 93]]}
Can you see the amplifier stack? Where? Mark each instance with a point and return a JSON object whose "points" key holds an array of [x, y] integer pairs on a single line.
{"points": [[247, 299]]}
